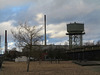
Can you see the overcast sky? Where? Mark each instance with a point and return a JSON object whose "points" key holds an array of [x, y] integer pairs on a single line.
{"points": [[59, 13]]}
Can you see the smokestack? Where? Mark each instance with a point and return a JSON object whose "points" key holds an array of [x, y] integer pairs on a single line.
{"points": [[5, 40], [0, 41], [45, 27]]}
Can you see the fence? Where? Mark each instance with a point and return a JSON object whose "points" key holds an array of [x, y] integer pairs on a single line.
{"points": [[84, 53], [1, 61]]}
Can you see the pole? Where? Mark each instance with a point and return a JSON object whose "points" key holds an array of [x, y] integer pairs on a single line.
{"points": [[45, 27]]}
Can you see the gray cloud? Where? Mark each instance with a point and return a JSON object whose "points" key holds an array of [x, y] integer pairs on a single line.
{"points": [[10, 3], [58, 11]]}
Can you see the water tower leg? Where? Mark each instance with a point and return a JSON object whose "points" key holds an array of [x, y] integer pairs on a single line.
{"points": [[70, 41], [81, 42]]}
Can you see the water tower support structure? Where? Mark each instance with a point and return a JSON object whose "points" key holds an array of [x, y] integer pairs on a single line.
{"points": [[75, 40], [75, 32]]}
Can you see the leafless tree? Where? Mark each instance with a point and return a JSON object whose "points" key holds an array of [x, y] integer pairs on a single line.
{"points": [[89, 43], [25, 35], [98, 42]]}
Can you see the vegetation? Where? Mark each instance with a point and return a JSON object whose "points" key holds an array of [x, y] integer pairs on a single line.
{"points": [[27, 36]]}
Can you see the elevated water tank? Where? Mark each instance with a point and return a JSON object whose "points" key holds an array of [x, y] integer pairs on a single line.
{"points": [[75, 27]]}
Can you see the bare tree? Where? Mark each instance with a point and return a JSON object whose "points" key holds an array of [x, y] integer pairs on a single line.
{"points": [[89, 43], [26, 35], [98, 42]]}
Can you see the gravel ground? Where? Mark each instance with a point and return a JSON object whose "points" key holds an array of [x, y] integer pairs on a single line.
{"points": [[46, 68]]}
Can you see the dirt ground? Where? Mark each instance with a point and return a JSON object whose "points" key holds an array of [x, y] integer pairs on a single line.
{"points": [[46, 68]]}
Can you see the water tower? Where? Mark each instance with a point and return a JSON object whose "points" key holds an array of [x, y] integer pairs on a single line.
{"points": [[75, 32]]}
